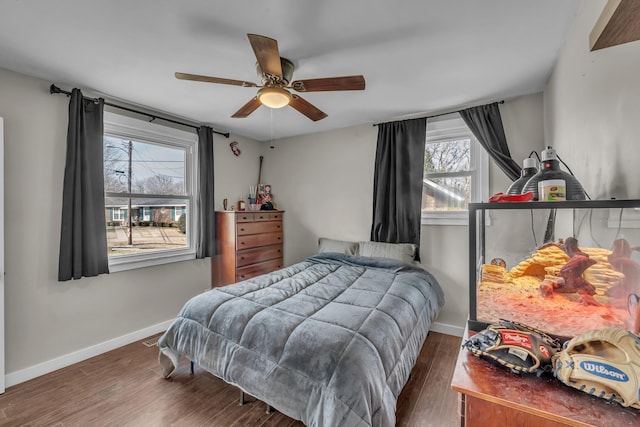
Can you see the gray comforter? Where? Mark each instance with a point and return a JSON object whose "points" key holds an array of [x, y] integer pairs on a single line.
{"points": [[329, 341]]}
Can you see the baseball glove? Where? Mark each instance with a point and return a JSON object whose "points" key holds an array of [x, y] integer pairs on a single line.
{"points": [[516, 346], [604, 363]]}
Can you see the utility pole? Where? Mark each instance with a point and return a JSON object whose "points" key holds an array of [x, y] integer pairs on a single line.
{"points": [[130, 214]]}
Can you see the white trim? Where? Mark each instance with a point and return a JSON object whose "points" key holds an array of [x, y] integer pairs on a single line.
{"points": [[442, 328], [43, 368], [2, 344], [446, 218], [128, 127], [120, 126], [148, 260], [481, 172]]}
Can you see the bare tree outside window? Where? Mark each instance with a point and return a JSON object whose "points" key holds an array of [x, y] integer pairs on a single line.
{"points": [[145, 196], [159, 184], [449, 156], [446, 182]]}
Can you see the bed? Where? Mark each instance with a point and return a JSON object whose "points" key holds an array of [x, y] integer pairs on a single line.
{"points": [[330, 340]]}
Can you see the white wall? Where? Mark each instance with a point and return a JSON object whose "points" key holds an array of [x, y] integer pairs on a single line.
{"points": [[234, 174], [47, 319], [592, 110], [324, 181]]}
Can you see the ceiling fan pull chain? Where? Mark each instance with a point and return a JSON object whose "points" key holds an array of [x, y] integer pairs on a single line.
{"points": [[272, 147]]}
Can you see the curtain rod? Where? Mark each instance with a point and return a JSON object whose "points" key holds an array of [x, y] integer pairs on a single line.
{"points": [[441, 114], [55, 89]]}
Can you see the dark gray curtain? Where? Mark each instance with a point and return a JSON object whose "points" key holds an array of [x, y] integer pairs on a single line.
{"points": [[83, 239], [486, 124], [205, 241], [397, 182]]}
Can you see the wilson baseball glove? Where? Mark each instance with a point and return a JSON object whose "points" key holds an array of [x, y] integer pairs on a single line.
{"points": [[604, 363], [515, 346]]}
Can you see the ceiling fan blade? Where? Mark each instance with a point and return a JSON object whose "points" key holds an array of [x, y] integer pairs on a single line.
{"points": [[306, 108], [329, 84], [247, 108], [267, 54], [198, 78]]}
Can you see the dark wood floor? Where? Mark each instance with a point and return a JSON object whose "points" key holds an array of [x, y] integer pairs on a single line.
{"points": [[124, 387]]}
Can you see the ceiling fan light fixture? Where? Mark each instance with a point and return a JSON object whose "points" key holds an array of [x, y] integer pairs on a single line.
{"points": [[274, 97]]}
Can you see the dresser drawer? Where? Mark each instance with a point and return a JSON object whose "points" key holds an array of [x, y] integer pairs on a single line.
{"points": [[275, 215], [254, 270], [258, 216], [244, 228], [245, 217], [256, 240], [252, 256]]}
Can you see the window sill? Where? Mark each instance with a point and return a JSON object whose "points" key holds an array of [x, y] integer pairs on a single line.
{"points": [[132, 262], [446, 218]]}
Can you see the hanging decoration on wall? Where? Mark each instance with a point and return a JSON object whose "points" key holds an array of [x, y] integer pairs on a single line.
{"points": [[234, 148]]}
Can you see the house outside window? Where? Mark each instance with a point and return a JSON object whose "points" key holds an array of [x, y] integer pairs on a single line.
{"points": [[149, 175], [455, 171]]}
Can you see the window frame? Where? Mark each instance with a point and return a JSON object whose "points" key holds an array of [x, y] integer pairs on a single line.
{"points": [[117, 215], [450, 127], [120, 126]]}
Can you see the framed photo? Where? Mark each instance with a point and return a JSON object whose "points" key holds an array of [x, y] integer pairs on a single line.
{"points": [[264, 193]]}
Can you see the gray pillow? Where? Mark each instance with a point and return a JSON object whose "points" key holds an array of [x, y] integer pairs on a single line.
{"points": [[405, 252], [340, 246]]}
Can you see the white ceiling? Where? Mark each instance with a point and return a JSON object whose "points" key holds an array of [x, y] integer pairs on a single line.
{"points": [[417, 56]]}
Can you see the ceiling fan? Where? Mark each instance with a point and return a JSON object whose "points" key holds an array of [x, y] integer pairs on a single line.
{"points": [[275, 74]]}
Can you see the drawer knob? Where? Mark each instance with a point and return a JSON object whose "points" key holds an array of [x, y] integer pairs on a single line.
{"points": [[242, 258], [242, 243], [278, 250], [279, 238], [242, 229]]}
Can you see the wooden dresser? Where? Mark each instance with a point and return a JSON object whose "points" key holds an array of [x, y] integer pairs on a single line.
{"points": [[248, 244]]}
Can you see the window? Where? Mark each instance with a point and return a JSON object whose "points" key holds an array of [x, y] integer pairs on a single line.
{"points": [[149, 180], [115, 216], [455, 171]]}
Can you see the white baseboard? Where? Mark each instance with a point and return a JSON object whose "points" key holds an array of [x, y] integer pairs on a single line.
{"points": [[31, 372], [447, 329]]}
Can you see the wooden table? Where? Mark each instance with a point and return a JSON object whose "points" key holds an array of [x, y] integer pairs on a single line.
{"points": [[491, 395]]}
